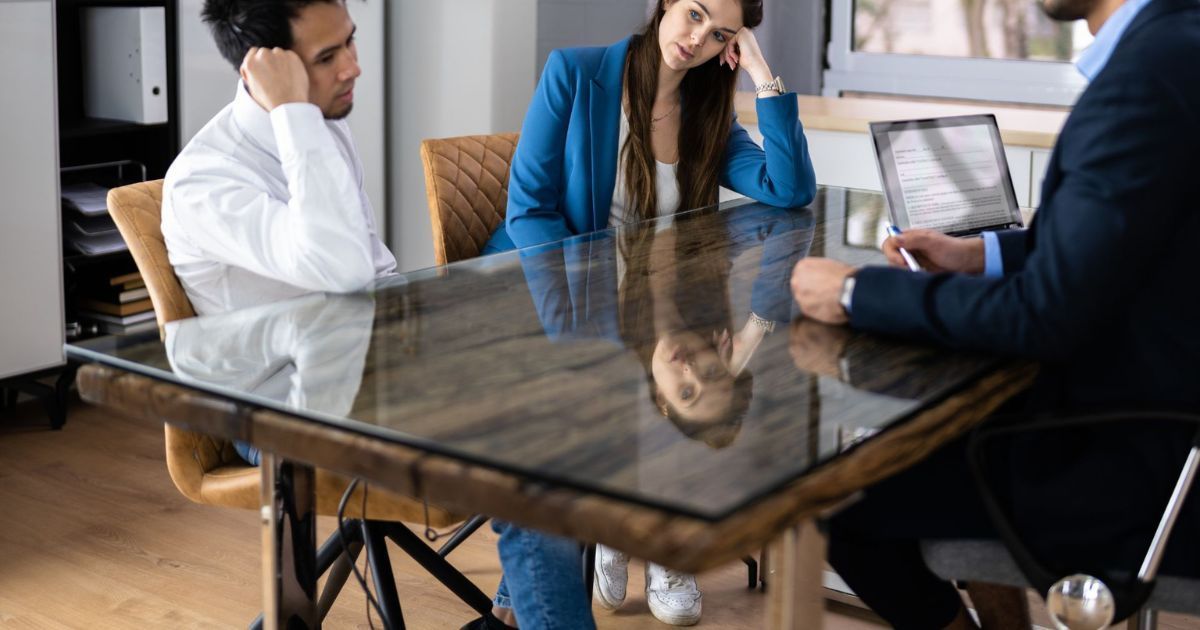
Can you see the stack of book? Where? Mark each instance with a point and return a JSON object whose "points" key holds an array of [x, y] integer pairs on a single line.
{"points": [[119, 304]]}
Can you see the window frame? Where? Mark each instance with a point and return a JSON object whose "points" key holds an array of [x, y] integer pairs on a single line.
{"points": [[1056, 83]]}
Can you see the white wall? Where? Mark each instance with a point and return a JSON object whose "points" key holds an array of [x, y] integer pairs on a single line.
{"points": [[457, 67], [368, 120], [31, 318], [206, 80], [569, 23], [207, 83]]}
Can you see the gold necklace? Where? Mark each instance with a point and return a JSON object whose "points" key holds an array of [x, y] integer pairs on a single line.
{"points": [[653, 127]]}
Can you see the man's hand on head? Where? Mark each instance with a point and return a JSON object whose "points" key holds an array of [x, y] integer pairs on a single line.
{"points": [[275, 76]]}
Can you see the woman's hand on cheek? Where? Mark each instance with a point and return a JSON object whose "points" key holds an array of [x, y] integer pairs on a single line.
{"points": [[748, 54], [729, 55]]}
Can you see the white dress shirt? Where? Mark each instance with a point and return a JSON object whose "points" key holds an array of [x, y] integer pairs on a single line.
{"points": [[306, 354], [263, 207]]}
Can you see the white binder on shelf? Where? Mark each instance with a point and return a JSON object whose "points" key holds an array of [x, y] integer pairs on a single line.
{"points": [[125, 63]]}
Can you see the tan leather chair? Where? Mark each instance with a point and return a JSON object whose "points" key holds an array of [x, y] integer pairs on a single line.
{"points": [[208, 470], [466, 183]]}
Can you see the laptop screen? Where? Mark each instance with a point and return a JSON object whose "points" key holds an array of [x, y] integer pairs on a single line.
{"points": [[946, 174]]}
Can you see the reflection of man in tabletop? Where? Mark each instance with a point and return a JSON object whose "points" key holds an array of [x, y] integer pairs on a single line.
{"points": [[306, 353], [1100, 289]]}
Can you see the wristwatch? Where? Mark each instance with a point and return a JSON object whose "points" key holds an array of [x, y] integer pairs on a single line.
{"points": [[776, 85], [847, 293]]}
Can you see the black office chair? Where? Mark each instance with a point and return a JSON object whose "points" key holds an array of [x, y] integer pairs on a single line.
{"points": [[1009, 561]]}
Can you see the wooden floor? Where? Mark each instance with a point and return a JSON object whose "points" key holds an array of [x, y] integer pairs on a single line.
{"points": [[94, 535]]}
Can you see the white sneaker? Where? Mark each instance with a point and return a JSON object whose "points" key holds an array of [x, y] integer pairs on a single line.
{"points": [[612, 575], [673, 596]]}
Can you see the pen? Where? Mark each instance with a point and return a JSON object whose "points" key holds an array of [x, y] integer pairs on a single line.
{"points": [[908, 258]]}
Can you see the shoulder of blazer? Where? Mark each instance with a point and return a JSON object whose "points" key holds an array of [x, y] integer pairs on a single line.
{"points": [[586, 62], [578, 62], [1157, 54], [1166, 33], [1155, 11]]}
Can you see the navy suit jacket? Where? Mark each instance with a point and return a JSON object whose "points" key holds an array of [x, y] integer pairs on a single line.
{"points": [[1102, 287], [565, 166]]}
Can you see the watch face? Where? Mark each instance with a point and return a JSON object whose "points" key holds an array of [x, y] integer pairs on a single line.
{"points": [[847, 292]]}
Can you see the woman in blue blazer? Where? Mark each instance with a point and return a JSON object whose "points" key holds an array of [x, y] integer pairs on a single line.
{"points": [[674, 85], [639, 129]]}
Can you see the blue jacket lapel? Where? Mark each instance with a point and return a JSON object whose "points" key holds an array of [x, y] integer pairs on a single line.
{"points": [[605, 128]]}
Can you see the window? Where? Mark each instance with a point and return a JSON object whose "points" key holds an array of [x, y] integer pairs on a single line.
{"points": [[1004, 50]]}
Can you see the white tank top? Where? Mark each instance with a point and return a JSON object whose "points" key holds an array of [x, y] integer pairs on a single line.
{"points": [[666, 183]]}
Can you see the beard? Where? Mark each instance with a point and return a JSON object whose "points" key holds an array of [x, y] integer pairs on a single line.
{"points": [[338, 115], [1068, 10]]}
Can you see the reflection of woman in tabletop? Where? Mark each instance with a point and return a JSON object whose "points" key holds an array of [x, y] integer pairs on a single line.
{"points": [[675, 315], [641, 129], [661, 290]]}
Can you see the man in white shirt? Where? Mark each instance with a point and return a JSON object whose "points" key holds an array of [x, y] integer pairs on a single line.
{"points": [[266, 202]]}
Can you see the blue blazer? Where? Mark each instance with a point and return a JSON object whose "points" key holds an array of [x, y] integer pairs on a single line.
{"points": [[574, 285], [565, 166], [1102, 286]]}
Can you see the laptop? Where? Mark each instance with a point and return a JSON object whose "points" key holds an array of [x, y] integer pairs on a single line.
{"points": [[947, 174]]}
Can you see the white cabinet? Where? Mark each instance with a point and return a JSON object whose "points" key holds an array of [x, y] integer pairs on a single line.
{"points": [[847, 159], [843, 159], [31, 309]]}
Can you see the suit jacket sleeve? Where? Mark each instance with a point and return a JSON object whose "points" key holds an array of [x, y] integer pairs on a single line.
{"points": [[782, 174], [1120, 162], [535, 177], [1013, 247]]}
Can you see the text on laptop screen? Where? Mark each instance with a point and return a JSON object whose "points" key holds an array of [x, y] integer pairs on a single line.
{"points": [[946, 174]]}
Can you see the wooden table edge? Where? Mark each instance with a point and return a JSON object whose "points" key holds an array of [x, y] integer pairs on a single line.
{"points": [[685, 543]]}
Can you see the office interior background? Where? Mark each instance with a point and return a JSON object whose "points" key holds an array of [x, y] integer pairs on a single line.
{"points": [[459, 67]]}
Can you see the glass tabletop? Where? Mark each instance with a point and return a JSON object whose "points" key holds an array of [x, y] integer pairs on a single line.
{"points": [[663, 363]]}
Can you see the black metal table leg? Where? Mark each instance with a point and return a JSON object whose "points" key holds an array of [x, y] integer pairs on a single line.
{"points": [[462, 534], [289, 544], [375, 540]]}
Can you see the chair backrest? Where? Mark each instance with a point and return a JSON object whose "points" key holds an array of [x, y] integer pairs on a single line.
{"points": [[466, 182], [137, 211]]}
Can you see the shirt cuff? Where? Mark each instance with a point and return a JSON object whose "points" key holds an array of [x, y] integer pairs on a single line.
{"points": [[993, 262], [299, 127]]}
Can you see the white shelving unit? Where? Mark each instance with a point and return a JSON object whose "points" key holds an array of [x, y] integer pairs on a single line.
{"points": [[31, 303]]}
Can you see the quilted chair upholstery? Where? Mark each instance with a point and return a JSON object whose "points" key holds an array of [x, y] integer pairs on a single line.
{"points": [[205, 469], [466, 182]]}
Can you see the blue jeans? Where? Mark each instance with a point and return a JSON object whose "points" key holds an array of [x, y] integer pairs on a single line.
{"points": [[249, 453], [544, 575]]}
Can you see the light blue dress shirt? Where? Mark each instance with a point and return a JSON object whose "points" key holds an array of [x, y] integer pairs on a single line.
{"points": [[1089, 64]]}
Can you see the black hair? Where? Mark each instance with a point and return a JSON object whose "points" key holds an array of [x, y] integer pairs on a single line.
{"points": [[239, 25]]}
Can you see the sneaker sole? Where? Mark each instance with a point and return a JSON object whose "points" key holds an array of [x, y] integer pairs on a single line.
{"points": [[598, 595], [673, 620]]}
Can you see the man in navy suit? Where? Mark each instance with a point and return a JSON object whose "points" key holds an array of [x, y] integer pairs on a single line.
{"points": [[1101, 288]]}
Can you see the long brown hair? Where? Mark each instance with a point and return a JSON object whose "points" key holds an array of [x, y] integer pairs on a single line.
{"points": [[707, 103], [701, 267]]}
